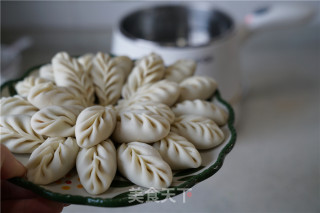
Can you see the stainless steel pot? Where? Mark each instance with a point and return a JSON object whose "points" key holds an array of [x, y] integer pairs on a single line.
{"points": [[206, 35]]}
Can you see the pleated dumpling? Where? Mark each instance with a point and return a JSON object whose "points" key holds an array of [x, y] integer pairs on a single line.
{"points": [[97, 167], [164, 91], [180, 70], [156, 108], [197, 87], [125, 64], [143, 165], [95, 124], [47, 94], [56, 121], [52, 160], [23, 87], [68, 72], [201, 108], [108, 78], [203, 132], [178, 152], [141, 126], [46, 72], [150, 69], [17, 134], [86, 61], [16, 105]]}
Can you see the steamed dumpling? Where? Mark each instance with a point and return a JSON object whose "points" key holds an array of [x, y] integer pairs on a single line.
{"points": [[201, 108], [23, 87], [203, 132], [140, 125], [68, 72], [52, 160], [46, 72], [16, 134], [47, 94], [164, 91], [16, 105], [55, 121], [125, 64], [180, 70], [143, 165], [197, 87], [108, 79], [156, 108], [86, 61], [178, 152], [97, 167], [95, 124], [150, 69]]}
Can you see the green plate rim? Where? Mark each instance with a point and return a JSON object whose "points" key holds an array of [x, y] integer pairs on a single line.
{"points": [[124, 200]]}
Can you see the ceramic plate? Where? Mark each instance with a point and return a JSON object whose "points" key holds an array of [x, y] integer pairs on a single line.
{"points": [[122, 192]]}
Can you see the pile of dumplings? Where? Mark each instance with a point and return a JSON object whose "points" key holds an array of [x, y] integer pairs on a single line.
{"points": [[101, 114]]}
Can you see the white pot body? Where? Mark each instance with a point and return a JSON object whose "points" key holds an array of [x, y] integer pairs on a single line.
{"points": [[219, 58]]}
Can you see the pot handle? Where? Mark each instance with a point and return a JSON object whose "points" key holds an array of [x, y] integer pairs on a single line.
{"points": [[276, 17]]}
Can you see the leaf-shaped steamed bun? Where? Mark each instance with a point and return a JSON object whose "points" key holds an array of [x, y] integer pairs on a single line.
{"points": [[16, 105], [180, 70], [125, 64], [52, 160], [47, 94], [203, 132], [86, 61], [68, 72], [97, 167], [143, 165], [17, 134], [56, 121], [150, 69], [23, 87], [46, 72], [197, 87], [164, 91], [108, 79], [156, 108], [178, 152], [95, 124], [201, 108], [140, 125]]}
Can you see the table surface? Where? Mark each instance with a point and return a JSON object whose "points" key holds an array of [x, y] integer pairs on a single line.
{"points": [[275, 164]]}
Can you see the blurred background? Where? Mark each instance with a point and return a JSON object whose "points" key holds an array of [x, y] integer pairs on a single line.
{"points": [[275, 165]]}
